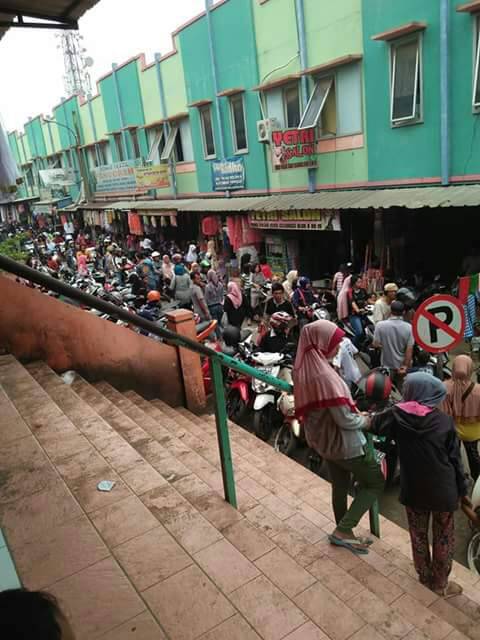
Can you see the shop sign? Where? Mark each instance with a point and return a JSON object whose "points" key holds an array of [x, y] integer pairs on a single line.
{"points": [[301, 219], [119, 176], [66, 201], [294, 148], [57, 177], [228, 174], [153, 177]]}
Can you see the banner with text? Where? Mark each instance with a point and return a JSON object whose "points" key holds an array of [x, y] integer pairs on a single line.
{"points": [[119, 176], [153, 177], [57, 177], [294, 148], [228, 174], [300, 219]]}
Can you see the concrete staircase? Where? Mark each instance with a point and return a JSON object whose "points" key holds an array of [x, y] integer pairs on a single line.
{"points": [[162, 555]]}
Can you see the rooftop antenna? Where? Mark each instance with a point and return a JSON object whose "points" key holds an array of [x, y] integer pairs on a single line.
{"points": [[76, 78]]}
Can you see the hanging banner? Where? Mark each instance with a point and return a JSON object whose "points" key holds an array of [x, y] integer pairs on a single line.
{"points": [[119, 176], [228, 174], [293, 148], [153, 177], [57, 177], [301, 219]]}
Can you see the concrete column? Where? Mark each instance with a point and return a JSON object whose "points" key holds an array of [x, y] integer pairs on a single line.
{"points": [[181, 322]]}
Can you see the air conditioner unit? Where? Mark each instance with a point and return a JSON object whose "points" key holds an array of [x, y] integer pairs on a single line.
{"points": [[265, 128]]}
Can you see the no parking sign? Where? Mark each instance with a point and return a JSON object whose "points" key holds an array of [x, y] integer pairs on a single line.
{"points": [[439, 324]]}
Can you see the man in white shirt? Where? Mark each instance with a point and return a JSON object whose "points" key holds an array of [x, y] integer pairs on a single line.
{"points": [[395, 338], [381, 308]]}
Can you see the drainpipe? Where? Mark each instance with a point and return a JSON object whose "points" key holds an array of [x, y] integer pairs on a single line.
{"points": [[118, 100], [49, 125], [213, 61], [166, 125], [94, 127], [445, 91], [302, 42]]}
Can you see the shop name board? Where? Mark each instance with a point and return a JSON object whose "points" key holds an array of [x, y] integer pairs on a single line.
{"points": [[119, 176], [228, 174], [306, 219], [57, 177], [294, 148], [153, 177]]}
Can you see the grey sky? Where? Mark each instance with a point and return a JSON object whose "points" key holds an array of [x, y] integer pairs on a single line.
{"points": [[115, 30]]}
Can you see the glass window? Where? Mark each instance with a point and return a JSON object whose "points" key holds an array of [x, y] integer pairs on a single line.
{"points": [[156, 140], [476, 79], [239, 128], [405, 82], [135, 145], [170, 143], [117, 138], [316, 103], [207, 132], [291, 100], [101, 150], [178, 149]]}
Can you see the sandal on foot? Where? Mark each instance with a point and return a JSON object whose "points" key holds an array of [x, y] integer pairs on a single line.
{"points": [[351, 545], [451, 590]]}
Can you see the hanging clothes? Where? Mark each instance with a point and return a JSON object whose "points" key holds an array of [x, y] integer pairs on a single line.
{"points": [[135, 224], [210, 226]]}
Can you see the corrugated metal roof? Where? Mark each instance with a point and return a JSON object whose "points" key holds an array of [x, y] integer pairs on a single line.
{"points": [[409, 198]]}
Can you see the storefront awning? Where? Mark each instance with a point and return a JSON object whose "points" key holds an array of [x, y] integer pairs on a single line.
{"points": [[408, 198]]}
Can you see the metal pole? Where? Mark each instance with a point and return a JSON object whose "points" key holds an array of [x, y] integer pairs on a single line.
{"points": [[221, 420], [166, 125], [374, 513], [445, 90], [81, 159], [213, 60]]}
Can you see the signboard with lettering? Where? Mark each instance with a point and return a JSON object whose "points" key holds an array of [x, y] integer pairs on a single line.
{"points": [[294, 148], [302, 219], [119, 176], [57, 177], [228, 174], [153, 177]]}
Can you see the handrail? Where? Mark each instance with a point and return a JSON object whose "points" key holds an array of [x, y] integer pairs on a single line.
{"points": [[64, 289]]}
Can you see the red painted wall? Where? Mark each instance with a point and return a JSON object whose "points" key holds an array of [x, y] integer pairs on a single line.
{"points": [[34, 326]]}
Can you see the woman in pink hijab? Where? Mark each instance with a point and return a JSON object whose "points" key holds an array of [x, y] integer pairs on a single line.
{"points": [[235, 305], [82, 263], [334, 429]]}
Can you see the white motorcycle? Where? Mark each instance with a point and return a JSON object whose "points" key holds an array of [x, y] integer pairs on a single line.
{"points": [[473, 514], [265, 414]]}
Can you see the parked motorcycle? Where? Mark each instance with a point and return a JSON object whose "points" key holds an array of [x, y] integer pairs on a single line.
{"points": [[266, 415]]}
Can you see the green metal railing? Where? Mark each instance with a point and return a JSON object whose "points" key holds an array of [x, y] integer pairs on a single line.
{"points": [[217, 361]]}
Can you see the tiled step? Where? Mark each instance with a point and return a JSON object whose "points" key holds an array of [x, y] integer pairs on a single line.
{"points": [[203, 569]]}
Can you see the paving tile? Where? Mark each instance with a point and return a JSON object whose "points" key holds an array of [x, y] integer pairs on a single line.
{"points": [[314, 516], [379, 563], [327, 611], [369, 633], [308, 631], [413, 587], [60, 552], [166, 503], [28, 517], [120, 454], [216, 510], [191, 487], [253, 488], [226, 566], [123, 520], [456, 618], [188, 604], [8, 573], [151, 557], [381, 616], [88, 495], [277, 506], [236, 628], [335, 579], [245, 502], [192, 531], [470, 607], [344, 558], [248, 539], [12, 425], [285, 573], [264, 520], [297, 547], [424, 619], [142, 627], [269, 612], [377, 583], [172, 469], [305, 528], [142, 478], [97, 599]]}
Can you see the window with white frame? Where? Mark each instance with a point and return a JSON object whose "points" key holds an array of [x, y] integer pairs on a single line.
{"points": [[134, 143], [173, 144], [239, 125], [406, 81], [104, 154], [476, 70], [118, 142], [291, 102], [207, 132], [314, 108], [156, 144]]}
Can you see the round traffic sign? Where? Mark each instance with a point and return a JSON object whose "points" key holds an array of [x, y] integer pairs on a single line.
{"points": [[439, 324]]}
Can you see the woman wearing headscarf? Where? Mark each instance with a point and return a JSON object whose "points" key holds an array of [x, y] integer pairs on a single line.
{"points": [[167, 269], [257, 282], [290, 283], [432, 481], [181, 286], [463, 404], [214, 295], [302, 300], [334, 429], [192, 254], [235, 305]]}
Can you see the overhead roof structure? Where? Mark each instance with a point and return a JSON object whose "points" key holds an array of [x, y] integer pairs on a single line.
{"points": [[47, 14], [408, 198]]}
